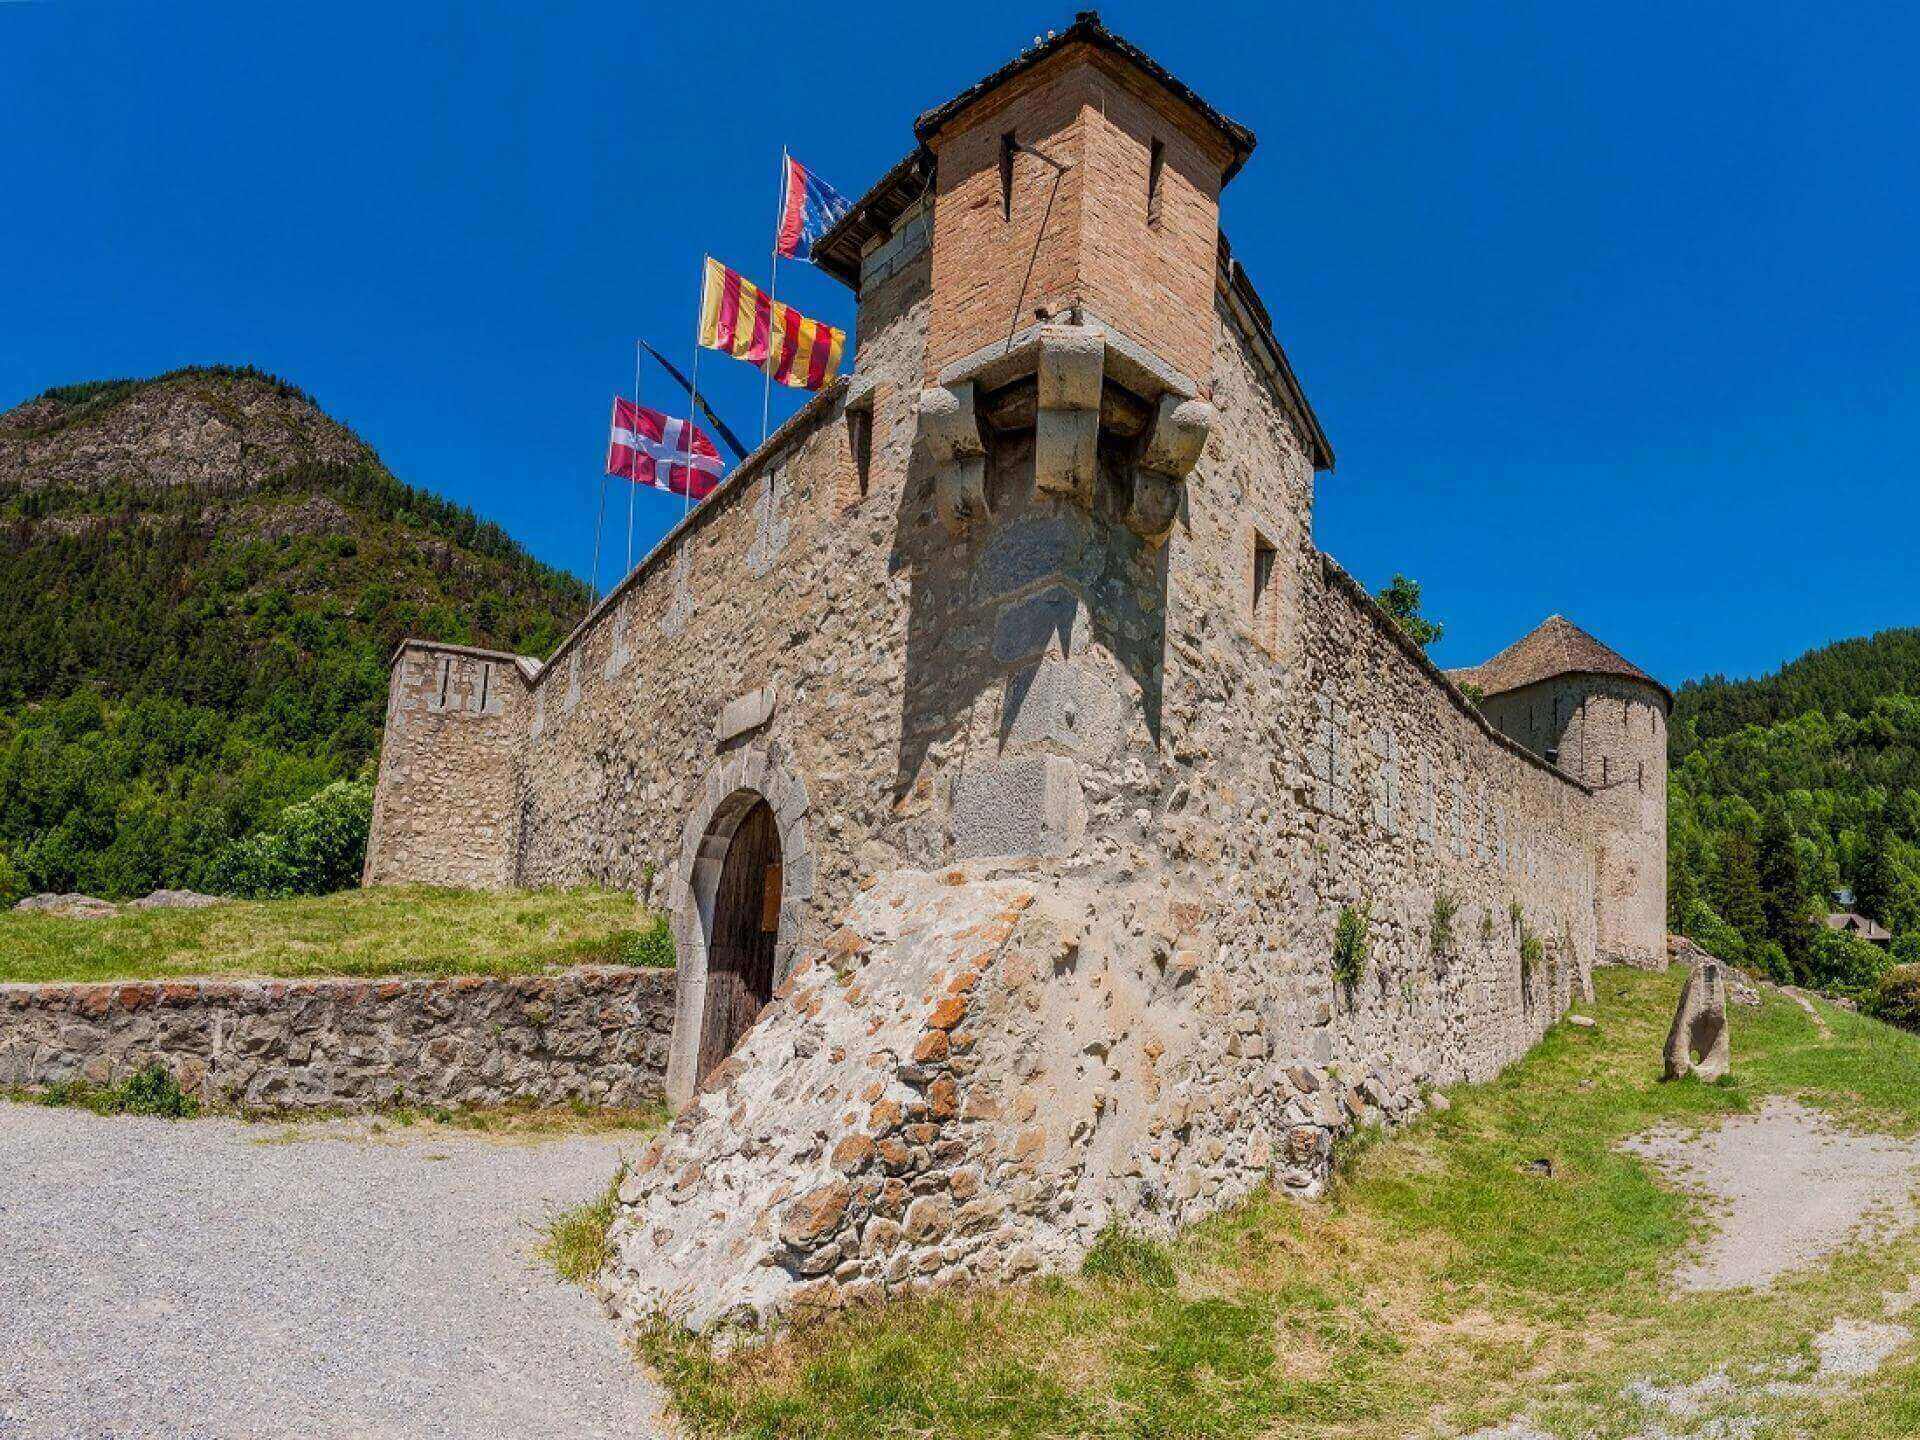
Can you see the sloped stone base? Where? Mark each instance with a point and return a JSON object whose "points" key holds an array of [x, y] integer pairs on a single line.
{"points": [[977, 1074]]}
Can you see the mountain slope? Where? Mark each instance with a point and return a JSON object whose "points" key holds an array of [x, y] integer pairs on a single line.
{"points": [[202, 577]]}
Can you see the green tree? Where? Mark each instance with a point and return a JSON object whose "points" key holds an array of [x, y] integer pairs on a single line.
{"points": [[1401, 600], [1740, 902], [1783, 890], [1683, 895], [1875, 880]]}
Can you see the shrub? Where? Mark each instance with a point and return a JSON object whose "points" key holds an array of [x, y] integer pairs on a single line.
{"points": [[1123, 1255], [1532, 954], [153, 1091], [1770, 960], [1845, 964], [1350, 944], [13, 885], [1896, 999], [1715, 936], [313, 848], [1445, 908]]}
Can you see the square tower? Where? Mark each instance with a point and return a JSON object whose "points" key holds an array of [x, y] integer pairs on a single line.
{"points": [[1079, 177]]}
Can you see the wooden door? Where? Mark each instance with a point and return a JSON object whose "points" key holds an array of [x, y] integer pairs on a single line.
{"points": [[746, 923]]}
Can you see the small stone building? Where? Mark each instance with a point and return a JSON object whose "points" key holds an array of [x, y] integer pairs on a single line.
{"points": [[1006, 755]]}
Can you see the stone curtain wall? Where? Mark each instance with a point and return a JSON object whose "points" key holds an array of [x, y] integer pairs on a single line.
{"points": [[446, 804], [791, 580], [594, 1035], [1309, 759]]}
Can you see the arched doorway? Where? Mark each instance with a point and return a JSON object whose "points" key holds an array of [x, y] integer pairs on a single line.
{"points": [[744, 931], [751, 776]]}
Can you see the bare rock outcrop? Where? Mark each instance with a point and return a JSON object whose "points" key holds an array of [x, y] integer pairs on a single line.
{"points": [[214, 429], [70, 906]]}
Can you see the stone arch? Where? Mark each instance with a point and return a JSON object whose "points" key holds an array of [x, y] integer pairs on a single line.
{"points": [[734, 784]]}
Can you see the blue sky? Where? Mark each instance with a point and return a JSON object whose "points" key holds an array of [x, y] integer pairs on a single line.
{"points": [[1610, 311]]}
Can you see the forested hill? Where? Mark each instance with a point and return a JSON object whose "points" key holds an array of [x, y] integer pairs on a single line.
{"points": [[1787, 788], [1847, 676], [202, 578]]}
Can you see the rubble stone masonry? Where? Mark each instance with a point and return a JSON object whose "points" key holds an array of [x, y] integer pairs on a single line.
{"points": [[598, 1036]]}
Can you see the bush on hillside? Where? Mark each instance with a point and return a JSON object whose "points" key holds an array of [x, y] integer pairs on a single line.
{"points": [[13, 885], [1896, 999], [1769, 961], [314, 848], [1844, 964], [1713, 935]]}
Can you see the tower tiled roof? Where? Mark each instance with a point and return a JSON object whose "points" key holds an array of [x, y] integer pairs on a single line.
{"points": [[1555, 647]]}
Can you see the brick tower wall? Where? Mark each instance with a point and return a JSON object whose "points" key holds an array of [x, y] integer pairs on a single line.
{"points": [[1151, 279]]}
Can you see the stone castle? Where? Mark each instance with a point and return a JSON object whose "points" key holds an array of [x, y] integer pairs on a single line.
{"points": [[1052, 836]]}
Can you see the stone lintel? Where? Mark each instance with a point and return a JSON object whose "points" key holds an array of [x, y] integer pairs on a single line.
{"points": [[743, 713]]}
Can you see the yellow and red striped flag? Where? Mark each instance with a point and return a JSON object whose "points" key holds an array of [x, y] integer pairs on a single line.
{"points": [[736, 316]]}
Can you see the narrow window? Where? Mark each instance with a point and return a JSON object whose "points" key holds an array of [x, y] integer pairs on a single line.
{"points": [[1264, 557], [486, 684], [860, 435], [1007, 147], [1156, 164], [446, 678]]}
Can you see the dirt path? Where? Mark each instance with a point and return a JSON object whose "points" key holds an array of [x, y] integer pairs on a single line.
{"points": [[187, 1279], [1787, 1187]]}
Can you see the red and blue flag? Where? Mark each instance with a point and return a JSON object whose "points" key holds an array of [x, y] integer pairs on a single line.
{"points": [[809, 207]]}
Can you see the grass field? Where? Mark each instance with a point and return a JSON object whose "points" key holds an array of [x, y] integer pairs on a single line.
{"points": [[1444, 1288], [387, 931]]}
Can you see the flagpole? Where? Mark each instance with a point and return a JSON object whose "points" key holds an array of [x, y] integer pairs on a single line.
{"points": [[693, 389], [594, 589], [633, 481], [773, 295]]}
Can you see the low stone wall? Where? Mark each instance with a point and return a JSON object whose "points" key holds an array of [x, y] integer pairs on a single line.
{"points": [[594, 1035]]}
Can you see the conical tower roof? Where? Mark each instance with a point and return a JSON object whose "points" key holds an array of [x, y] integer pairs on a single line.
{"points": [[1555, 647]]}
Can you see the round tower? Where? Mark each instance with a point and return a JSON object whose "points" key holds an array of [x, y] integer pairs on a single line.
{"points": [[1602, 719]]}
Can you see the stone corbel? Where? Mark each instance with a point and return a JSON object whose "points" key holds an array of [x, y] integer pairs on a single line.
{"points": [[950, 434], [1066, 436], [1180, 430]]}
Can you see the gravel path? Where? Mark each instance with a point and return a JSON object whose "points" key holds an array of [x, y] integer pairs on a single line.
{"points": [[210, 1278], [1788, 1186]]}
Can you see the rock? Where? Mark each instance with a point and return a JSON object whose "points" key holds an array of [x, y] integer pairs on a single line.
{"points": [[1700, 1025], [70, 907], [815, 1215], [175, 900], [1585, 1022], [1439, 1103]]}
